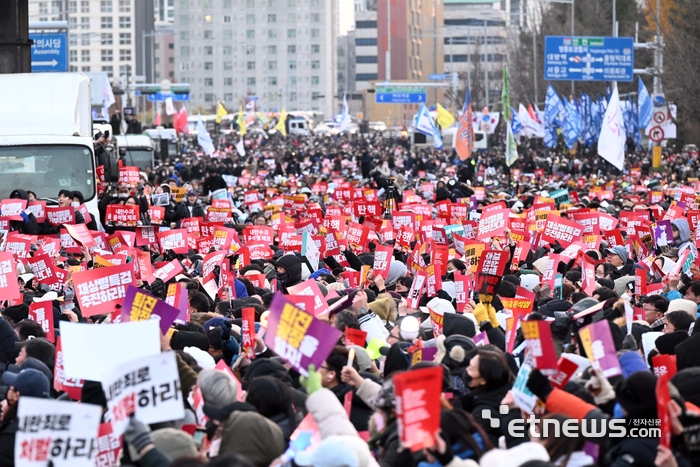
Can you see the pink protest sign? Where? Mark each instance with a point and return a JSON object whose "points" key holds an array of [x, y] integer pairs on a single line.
{"points": [[600, 349]]}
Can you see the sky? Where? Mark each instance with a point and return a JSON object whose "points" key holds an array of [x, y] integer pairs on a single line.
{"points": [[347, 16]]}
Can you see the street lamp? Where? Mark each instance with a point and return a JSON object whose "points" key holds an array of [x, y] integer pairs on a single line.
{"points": [[534, 61]]}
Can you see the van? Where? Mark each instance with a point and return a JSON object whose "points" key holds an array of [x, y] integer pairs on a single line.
{"points": [[298, 126], [135, 150]]}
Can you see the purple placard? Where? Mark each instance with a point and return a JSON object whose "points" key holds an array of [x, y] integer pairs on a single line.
{"points": [[663, 227], [296, 336], [600, 349], [144, 308], [481, 339]]}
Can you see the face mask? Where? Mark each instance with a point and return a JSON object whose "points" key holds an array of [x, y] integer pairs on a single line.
{"points": [[123, 195], [75, 204], [282, 277]]}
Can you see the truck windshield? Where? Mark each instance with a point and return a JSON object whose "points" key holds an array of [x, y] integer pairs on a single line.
{"points": [[137, 157], [47, 169]]}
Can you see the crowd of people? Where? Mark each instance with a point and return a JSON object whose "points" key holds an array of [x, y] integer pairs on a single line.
{"points": [[630, 267]]}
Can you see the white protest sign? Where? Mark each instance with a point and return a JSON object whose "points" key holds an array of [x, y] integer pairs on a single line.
{"points": [[147, 387], [91, 352], [64, 433]]}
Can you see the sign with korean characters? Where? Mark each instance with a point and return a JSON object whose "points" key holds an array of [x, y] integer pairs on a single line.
{"points": [[60, 432], [100, 290], [296, 336], [148, 388]]}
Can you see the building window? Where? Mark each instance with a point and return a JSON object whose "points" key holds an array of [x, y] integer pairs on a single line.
{"points": [[124, 22], [315, 96], [228, 81], [250, 34], [228, 50], [292, 49], [291, 2], [226, 19], [72, 22], [366, 77], [271, 18], [291, 18], [228, 97], [208, 97], [250, 3], [184, 66], [72, 7], [72, 39], [272, 65], [315, 64], [272, 80], [123, 69], [108, 69], [106, 38], [171, 46], [226, 34], [184, 35], [250, 50], [271, 3], [73, 68], [184, 50], [250, 65], [228, 66], [366, 41], [272, 96], [292, 96], [124, 6], [85, 22], [206, 3], [250, 19], [43, 8], [366, 59], [171, 60], [208, 34], [85, 6], [227, 3], [209, 81], [450, 58], [85, 69], [106, 55], [315, 18], [292, 64], [272, 33], [106, 6], [315, 33], [292, 80], [208, 66], [291, 33], [157, 60], [315, 80], [365, 25], [106, 22], [85, 39], [251, 81], [84, 55], [73, 54], [125, 55], [315, 49], [272, 49], [208, 50], [313, 2], [124, 38]]}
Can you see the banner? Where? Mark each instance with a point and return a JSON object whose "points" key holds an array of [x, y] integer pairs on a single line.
{"points": [[297, 337], [100, 290], [600, 349], [564, 231], [12, 208], [123, 214], [140, 306], [59, 432], [42, 314], [8, 277], [57, 216], [175, 240], [248, 332], [493, 224], [81, 234], [541, 346], [71, 386], [418, 406]]}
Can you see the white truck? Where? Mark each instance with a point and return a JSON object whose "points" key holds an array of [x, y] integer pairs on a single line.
{"points": [[135, 150], [46, 136]]}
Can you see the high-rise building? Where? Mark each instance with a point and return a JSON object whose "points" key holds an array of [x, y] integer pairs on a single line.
{"points": [[366, 35], [475, 37], [164, 10], [104, 35], [346, 63], [284, 52], [164, 52]]}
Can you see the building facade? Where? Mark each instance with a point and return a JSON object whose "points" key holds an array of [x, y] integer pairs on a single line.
{"points": [[282, 52], [104, 35], [164, 52]]}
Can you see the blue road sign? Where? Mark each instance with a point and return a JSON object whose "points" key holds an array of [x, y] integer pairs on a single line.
{"points": [[438, 77], [49, 51], [569, 58], [251, 98], [159, 97]]}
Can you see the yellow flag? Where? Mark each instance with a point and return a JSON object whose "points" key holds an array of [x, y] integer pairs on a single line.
{"points": [[241, 122], [444, 117], [280, 124], [220, 112]]}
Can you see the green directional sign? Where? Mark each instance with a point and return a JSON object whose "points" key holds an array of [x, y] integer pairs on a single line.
{"points": [[400, 89]]}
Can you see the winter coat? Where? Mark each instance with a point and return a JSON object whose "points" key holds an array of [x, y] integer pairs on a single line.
{"points": [[360, 412], [8, 431], [479, 400]]}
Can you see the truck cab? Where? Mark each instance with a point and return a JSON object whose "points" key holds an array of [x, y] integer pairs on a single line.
{"points": [[135, 150], [46, 136]]}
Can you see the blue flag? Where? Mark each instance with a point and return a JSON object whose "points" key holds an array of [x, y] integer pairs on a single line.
{"points": [[553, 108], [644, 105], [636, 134], [572, 124], [515, 124]]}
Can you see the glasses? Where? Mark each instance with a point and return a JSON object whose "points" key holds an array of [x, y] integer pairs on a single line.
{"points": [[652, 310], [325, 368]]}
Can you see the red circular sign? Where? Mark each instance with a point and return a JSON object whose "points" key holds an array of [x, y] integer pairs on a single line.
{"points": [[656, 134], [659, 117]]}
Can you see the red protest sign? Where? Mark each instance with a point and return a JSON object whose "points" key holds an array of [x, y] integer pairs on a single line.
{"points": [[562, 230], [100, 290], [492, 262], [42, 314], [72, 387], [259, 233], [416, 289], [81, 234], [57, 215], [143, 258], [310, 288], [663, 398], [433, 282], [664, 365], [146, 235], [565, 370], [18, 244], [12, 208], [8, 277], [168, 271], [122, 214], [493, 224], [129, 176], [541, 345], [42, 268], [38, 208], [418, 406], [355, 337], [248, 332], [156, 214], [462, 286], [211, 261], [357, 237], [382, 260], [219, 214], [175, 240]]}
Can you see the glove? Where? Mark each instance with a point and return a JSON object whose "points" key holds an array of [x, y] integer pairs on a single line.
{"points": [[311, 383], [492, 316], [225, 330], [137, 435], [557, 248], [539, 384], [481, 313], [600, 387], [25, 216], [561, 326]]}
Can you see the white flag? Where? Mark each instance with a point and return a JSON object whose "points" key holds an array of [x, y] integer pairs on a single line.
{"points": [[425, 125], [169, 107], [203, 137], [240, 147], [611, 143], [345, 121], [107, 98]]}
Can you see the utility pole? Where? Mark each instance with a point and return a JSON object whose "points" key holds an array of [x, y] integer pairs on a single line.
{"points": [[486, 68], [658, 51], [387, 55]]}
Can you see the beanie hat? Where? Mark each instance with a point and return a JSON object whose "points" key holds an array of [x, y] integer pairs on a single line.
{"points": [[636, 395], [454, 324], [182, 339], [452, 351], [687, 353], [631, 363], [17, 312], [515, 456], [681, 304], [364, 363], [332, 452], [174, 443], [688, 384], [93, 393], [667, 343], [252, 436]]}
